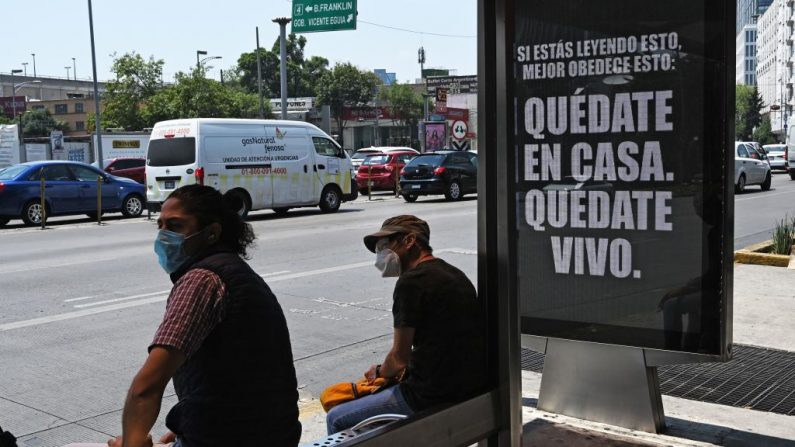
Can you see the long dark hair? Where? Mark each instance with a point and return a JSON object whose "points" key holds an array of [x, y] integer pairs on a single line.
{"points": [[209, 207]]}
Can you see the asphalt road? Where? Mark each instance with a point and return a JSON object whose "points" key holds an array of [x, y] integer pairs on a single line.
{"points": [[79, 303]]}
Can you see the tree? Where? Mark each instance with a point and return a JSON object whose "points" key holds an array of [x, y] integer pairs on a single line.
{"points": [[763, 134], [346, 86], [403, 103], [748, 104], [136, 81], [39, 123]]}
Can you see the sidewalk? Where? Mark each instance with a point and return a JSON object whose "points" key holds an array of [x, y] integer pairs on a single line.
{"points": [[764, 312]]}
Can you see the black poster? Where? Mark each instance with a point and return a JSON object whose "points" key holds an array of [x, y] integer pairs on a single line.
{"points": [[621, 159]]}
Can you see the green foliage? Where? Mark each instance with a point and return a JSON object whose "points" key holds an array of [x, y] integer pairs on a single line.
{"points": [[403, 102], [5, 120], [763, 134], [346, 86], [303, 74], [39, 123], [748, 104], [784, 236], [136, 81]]}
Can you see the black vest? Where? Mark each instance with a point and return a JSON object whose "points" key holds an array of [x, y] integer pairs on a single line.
{"points": [[239, 388]]}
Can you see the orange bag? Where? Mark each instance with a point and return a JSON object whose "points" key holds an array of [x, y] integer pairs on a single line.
{"points": [[346, 391]]}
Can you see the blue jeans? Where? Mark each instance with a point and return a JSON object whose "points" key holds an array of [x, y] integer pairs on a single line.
{"points": [[344, 416]]}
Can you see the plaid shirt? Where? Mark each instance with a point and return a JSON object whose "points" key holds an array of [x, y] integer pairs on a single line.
{"points": [[195, 306]]}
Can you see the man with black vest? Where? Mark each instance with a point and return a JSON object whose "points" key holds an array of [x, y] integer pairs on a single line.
{"points": [[223, 339]]}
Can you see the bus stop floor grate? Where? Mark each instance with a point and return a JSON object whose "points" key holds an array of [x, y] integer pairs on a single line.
{"points": [[756, 378]]}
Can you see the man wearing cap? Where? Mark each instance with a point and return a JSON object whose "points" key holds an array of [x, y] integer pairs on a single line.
{"points": [[438, 329]]}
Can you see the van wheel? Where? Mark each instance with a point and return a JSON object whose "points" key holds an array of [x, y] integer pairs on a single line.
{"points": [[32, 213], [767, 182], [132, 206], [410, 197], [240, 202], [281, 211], [740, 186], [330, 199]]}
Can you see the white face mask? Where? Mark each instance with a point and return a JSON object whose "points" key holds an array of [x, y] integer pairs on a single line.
{"points": [[388, 262]]}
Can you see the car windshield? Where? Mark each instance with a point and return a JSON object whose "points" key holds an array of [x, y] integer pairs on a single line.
{"points": [[11, 172], [427, 160], [172, 152], [376, 160], [774, 148], [361, 155]]}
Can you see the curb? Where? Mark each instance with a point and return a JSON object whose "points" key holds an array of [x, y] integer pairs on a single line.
{"points": [[754, 254]]}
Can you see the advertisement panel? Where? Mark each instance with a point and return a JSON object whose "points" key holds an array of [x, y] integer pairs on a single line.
{"points": [[9, 145], [76, 152], [454, 84], [124, 145], [35, 151], [623, 201], [435, 136], [7, 104]]}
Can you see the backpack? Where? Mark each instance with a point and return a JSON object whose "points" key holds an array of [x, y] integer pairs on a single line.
{"points": [[347, 391]]}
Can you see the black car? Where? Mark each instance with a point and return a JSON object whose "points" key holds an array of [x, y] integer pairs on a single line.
{"points": [[452, 173]]}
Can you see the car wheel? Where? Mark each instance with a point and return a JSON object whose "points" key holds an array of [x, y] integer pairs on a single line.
{"points": [[740, 186], [453, 191], [3, 221], [330, 199], [281, 211], [767, 182], [410, 197], [32, 213], [239, 201], [792, 175], [132, 206]]}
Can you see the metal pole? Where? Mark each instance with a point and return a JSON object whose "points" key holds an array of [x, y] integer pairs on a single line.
{"points": [[25, 67], [34, 64], [43, 214], [74, 68], [98, 131], [370, 182], [259, 81], [283, 21], [99, 200]]}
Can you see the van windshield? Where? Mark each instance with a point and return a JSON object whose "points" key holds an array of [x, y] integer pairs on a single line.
{"points": [[171, 152]]}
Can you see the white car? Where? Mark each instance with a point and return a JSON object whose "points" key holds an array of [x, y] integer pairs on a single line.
{"points": [[749, 168], [776, 155]]}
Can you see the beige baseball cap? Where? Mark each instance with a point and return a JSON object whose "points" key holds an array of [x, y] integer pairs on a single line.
{"points": [[403, 224]]}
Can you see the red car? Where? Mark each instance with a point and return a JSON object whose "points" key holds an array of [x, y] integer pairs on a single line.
{"points": [[382, 171], [132, 168]]}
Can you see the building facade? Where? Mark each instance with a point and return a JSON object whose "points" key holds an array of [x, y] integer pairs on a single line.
{"points": [[748, 12], [775, 63], [73, 112], [745, 70]]}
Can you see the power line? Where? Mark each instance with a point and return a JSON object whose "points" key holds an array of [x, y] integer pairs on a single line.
{"points": [[424, 33]]}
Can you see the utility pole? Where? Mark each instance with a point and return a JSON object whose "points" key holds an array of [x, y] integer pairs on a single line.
{"points": [[283, 21], [34, 64], [259, 81], [74, 68], [98, 125]]}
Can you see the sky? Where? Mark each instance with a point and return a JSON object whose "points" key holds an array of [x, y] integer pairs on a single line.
{"points": [[173, 30]]}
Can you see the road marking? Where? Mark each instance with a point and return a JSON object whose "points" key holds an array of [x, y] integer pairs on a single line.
{"points": [[758, 196], [126, 298], [128, 303], [275, 273], [52, 266], [77, 314], [82, 298]]}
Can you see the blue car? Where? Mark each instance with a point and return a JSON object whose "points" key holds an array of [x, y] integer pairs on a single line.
{"points": [[70, 188]]}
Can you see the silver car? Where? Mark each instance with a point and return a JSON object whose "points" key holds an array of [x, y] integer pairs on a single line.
{"points": [[776, 155], [749, 168]]}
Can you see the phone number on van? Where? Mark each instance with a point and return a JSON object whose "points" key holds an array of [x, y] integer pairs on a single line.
{"points": [[264, 171]]}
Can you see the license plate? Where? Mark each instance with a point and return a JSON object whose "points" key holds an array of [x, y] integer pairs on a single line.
{"points": [[170, 184], [416, 186]]}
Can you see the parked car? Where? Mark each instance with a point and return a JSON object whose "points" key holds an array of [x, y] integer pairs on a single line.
{"points": [[749, 169], [132, 168], [70, 188], [358, 157], [452, 173], [776, 155], [381, 172]]}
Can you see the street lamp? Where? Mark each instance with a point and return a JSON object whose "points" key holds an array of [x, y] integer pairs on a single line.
{"points": [[67, 71], [199, 53], [34, 64], [14, 89], [74, 68], [25, 66]]}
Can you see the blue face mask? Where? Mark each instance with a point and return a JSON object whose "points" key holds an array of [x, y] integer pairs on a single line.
{"points": [[170, 249]]}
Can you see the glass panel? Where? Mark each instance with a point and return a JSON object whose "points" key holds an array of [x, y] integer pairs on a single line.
{"points": [[57, 173], [172, 152], [85, 174]]}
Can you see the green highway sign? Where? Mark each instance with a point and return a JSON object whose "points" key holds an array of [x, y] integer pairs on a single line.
{"points": [[310, 16]]}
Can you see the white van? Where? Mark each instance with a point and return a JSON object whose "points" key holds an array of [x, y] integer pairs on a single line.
{"points": [[264, 164]]}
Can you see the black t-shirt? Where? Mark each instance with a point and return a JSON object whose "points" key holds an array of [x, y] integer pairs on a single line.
{"points": [[447, 361]]}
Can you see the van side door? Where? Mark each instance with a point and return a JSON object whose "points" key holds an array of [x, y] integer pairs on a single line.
{"points": [[292, 162]]}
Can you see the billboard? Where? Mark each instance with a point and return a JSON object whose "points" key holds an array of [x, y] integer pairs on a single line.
{"points": [[435, 136], [453, 84], [7, 104], [123, 145], [622, 156], [9, 145]]}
